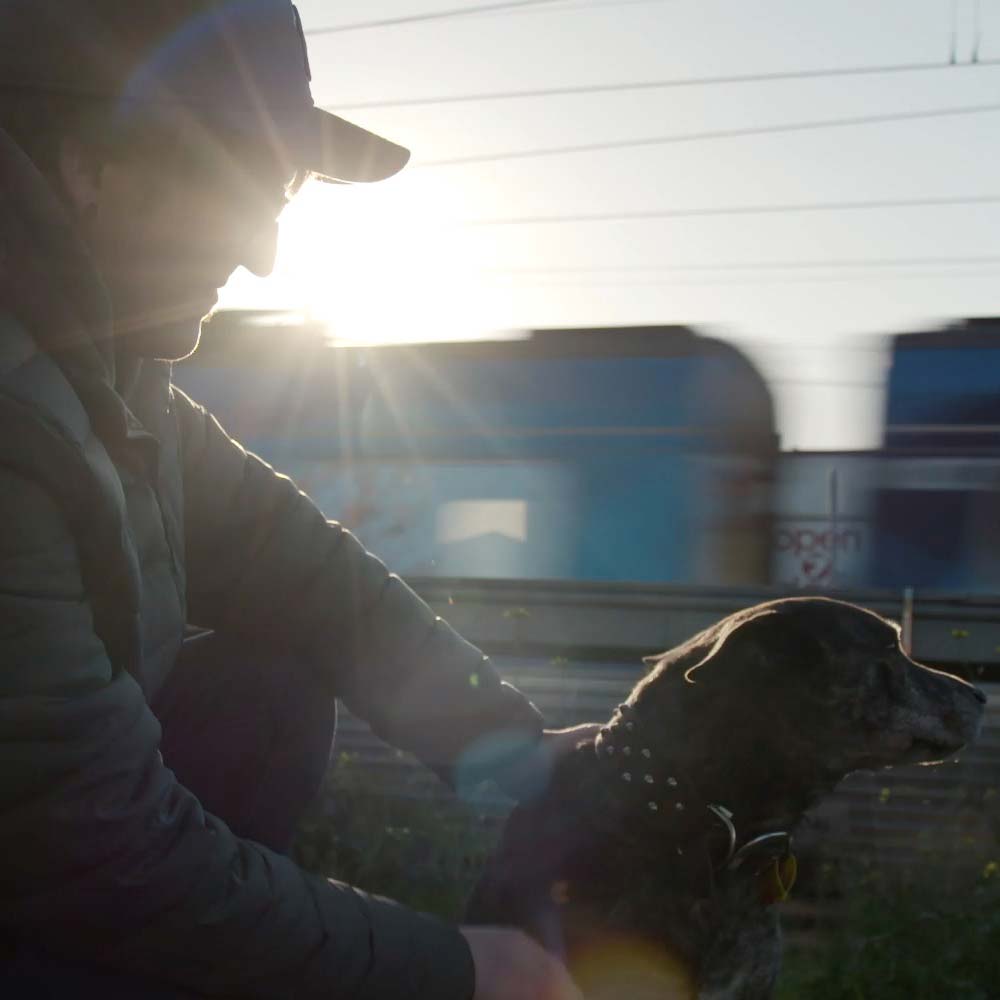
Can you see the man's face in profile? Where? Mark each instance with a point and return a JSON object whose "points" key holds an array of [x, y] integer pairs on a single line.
{"points": [[170, 226]]}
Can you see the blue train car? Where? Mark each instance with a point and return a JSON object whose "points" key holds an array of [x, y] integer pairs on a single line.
{"points": [[937, 511], [640, 454]]}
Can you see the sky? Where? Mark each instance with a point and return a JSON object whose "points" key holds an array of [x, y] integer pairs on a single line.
{"points": [[457, 251]]}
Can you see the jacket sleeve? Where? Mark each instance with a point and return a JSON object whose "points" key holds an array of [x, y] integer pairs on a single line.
{"points": [[262, 560], [104, 856]]}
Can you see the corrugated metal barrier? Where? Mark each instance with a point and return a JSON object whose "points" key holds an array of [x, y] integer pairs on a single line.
{"points": [[889, 817]]}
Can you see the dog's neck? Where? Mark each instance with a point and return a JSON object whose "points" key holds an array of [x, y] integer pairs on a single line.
{"points": [[671, 776]]}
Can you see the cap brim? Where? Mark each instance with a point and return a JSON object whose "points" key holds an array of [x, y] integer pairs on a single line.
{"points": [[337, 150]]}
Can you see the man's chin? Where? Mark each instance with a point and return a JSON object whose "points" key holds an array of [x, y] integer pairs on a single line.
{"points": [[170, 340], [165, 326]]}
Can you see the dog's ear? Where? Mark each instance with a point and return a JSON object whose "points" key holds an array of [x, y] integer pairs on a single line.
{"points": [[687, 654], [719, 639], [766, 640]]}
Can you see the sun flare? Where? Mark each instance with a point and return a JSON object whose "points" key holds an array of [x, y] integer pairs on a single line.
{"points": [[381, 263]]}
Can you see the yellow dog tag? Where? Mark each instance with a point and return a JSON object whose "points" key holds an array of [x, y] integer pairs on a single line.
{"points": [[777, 879]]}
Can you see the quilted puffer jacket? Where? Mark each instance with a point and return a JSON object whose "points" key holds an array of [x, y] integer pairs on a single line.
{"points": [[126, 513]]}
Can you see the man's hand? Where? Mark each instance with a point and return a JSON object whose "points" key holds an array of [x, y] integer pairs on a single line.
{"points": [[559, 742], [528, 776], [511, 966]]}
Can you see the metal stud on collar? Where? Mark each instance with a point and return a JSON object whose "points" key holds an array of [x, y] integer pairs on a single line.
{"points": [[626, 776], [672, 782]]}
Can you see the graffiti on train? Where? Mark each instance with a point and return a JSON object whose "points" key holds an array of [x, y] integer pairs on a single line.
{"points": [[819, 555]]}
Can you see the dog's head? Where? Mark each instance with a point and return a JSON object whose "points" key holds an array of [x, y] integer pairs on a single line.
{"points": [[816, 677]]}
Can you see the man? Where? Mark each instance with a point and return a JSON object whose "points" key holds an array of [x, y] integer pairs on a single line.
{"points": [[149, 787]]}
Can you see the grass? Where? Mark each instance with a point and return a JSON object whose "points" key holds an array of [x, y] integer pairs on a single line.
{"points": [[905, 942], [932, 933], [424, 852]]}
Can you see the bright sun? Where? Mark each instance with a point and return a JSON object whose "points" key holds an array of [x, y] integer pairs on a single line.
{"points": [[378, 263]]}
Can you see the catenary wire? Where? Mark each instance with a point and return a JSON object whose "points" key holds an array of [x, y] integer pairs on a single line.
{"points": [[767, 265], [822, 383], [677, 83], [737, 210], [734, 133], [567, 5], [435, 15], [527, 7], [569, 282]]}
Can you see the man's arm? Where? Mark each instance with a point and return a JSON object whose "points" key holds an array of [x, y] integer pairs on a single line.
{"points": [[263, 561], [106, 857]]}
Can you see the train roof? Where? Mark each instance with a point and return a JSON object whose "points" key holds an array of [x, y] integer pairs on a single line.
{"points": [[250, 335], [981, 332]]}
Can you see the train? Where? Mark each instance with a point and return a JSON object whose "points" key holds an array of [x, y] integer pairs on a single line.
{"points": [[921, 512], [642, 454], [633, 454]]}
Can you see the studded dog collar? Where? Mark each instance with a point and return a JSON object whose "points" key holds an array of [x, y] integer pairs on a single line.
{"points": [[630, 764], [670, 801]]}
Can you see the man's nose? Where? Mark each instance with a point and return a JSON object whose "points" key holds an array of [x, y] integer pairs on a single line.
{"points": [[260, 252]]}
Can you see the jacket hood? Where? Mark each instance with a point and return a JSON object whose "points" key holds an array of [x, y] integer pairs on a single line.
{"points": [[48, 281]]}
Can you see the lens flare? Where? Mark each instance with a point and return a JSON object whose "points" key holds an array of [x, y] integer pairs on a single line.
{"points": [[619, 966]]}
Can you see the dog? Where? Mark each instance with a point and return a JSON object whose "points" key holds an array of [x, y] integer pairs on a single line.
{"points": [[652, 860]]}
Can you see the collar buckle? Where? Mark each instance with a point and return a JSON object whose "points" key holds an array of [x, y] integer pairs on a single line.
{"points": [[774, 846], [727, 817]]}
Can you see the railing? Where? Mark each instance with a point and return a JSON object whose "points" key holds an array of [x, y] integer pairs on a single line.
{"points": [[624, 621], [576, 650]]}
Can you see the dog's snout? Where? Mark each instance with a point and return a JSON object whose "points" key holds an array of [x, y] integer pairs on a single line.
{"points": [[968, 696], [940, 708], [943, 686], [954, 719]]}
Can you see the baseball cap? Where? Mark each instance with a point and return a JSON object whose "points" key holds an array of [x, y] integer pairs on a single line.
{"points": [[234, 66]]}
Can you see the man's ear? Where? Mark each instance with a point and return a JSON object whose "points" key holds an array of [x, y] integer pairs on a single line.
{"points": [[80, 176]]}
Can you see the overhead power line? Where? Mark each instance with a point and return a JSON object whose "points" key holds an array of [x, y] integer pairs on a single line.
{"points": [[569, 281], [525, 7], [676, 83], [768, 265], [588, 5], [436, 15], [826, 383], [734, 133], [738, 210]]}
